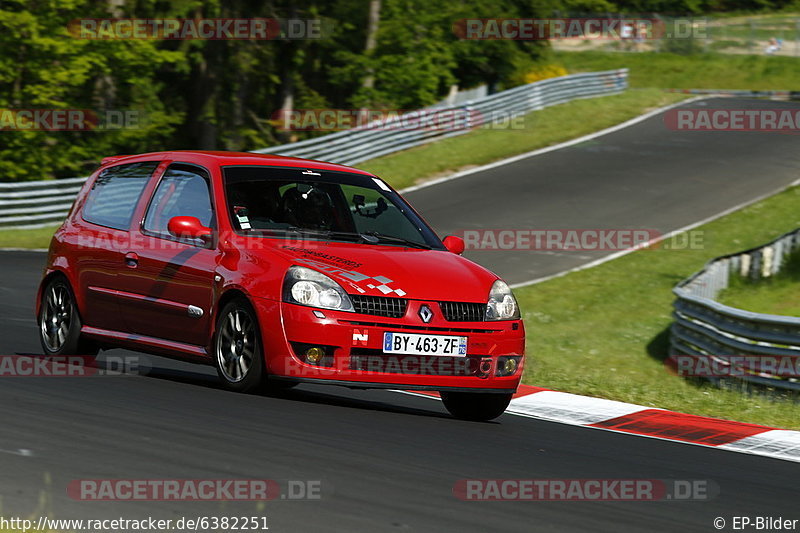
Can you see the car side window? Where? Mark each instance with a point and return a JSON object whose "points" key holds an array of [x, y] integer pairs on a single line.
{"points": [[182, 191], [115, 194]]}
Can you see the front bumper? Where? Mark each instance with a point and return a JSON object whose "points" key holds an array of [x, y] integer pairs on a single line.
{"points": [[353, 348]]}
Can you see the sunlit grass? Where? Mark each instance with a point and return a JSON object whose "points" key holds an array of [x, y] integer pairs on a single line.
{"points": [[27, 238], [603, 331], [777, 295], [703, 71]]}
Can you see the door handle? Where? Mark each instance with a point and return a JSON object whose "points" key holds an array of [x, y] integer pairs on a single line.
{"points": [[131, 260]]}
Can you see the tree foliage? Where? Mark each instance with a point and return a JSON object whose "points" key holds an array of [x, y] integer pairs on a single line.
{"points": [[221, 94]]}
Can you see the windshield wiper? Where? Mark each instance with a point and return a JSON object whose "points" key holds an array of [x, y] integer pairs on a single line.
{"points": [[326, 234], [369, 237], [392, 238]]}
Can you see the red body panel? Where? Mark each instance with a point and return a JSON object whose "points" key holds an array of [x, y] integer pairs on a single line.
{"points": [[138, 290]]}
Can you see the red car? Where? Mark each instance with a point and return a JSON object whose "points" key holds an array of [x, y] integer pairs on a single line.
{"points": [[277, 271]]}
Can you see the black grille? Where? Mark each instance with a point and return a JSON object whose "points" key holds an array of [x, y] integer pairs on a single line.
{"points": [[421, 327], [379, 305], [463, 312]]}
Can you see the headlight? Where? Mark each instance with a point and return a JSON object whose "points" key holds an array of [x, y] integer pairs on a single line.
{"points": [[304, 286], [501, 305]]}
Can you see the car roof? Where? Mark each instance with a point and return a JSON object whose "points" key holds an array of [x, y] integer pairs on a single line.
{"points": [[234, 158]]}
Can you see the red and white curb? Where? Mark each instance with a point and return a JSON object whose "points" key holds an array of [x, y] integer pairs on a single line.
{"points": [[610, 415]]}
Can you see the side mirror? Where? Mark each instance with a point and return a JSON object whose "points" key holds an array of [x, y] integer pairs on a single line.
{"points": [[188, 227], [454, 244]]}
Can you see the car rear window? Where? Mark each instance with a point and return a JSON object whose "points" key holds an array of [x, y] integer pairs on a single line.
{"points": [[115, 193]]}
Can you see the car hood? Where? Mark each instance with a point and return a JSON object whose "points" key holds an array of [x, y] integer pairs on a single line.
{"points": [[395, 271]]}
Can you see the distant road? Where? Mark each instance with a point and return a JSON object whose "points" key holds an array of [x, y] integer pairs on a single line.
{"points": [[643, 176]]}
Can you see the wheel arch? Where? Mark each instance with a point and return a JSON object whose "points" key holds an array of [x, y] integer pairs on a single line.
{"points": [[229, 295], [49, 277]]}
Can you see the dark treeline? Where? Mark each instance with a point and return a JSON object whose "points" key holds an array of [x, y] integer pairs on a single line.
{"points": [[223, 94]]}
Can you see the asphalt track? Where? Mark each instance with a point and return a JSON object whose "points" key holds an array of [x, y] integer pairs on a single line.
{"points": [[387, 461], [641, 177]]}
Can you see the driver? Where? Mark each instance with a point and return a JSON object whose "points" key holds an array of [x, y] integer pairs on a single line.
{"points": [[312, 209]]}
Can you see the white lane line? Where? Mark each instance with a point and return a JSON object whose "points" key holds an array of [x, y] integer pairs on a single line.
{"points": [[612, 129], [554, 147], [615, 255], [23, 452], [23, 249]]}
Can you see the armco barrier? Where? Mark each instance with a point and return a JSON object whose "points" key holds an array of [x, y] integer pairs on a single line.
{"points": [[37, 203], [381, 138], [706, 328]]}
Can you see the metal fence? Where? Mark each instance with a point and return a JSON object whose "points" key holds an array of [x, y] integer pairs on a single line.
{"points": [[385, 137], [38, 203], [705, 328]]}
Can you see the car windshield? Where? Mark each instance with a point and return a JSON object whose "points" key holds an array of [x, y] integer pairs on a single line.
{"points": [[326, 205]]}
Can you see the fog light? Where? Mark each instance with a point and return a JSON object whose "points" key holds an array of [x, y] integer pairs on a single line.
{"points": [[508, 365], [314, 355]]}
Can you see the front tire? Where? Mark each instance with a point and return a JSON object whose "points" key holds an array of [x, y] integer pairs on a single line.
{"points": [[59, 321], [476, 406], [238, 355]]}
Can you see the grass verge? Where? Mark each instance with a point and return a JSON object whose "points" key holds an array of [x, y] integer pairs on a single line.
{"points": [[703, 71], [603, 331], [27, 238], [777, 295]]}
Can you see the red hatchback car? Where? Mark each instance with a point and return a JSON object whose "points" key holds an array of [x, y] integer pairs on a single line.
{"points": [[278, 271]]}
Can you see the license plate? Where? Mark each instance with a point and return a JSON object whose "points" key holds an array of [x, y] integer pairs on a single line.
{"points": [[414, 344]]}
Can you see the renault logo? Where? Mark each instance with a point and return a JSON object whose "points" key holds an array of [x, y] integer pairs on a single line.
{"points": [[425, 313]]}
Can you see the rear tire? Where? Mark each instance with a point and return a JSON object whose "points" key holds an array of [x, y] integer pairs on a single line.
{"points": [[476, 406], [238, 354], [60, 323]]}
